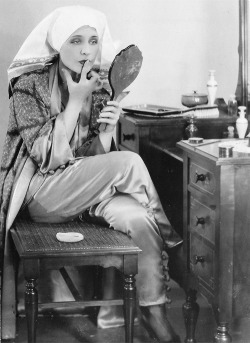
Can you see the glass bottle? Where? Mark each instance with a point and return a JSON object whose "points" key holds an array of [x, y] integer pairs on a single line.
{"points": [[191, 130], [242, 122], [232, 105], [230, 132], [212, 87]]}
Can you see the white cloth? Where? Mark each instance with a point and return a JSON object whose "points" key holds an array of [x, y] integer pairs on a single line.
{"points": [[45, 41]]}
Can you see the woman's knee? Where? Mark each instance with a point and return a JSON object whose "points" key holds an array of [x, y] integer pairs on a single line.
{"points": [[141, 227], [125, 214], [127, 158]]}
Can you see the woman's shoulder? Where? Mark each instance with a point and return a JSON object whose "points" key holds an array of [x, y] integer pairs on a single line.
{"points": [[37, 77]]}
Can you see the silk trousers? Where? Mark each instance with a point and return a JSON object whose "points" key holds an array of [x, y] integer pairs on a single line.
{"points": [[118, 188]]}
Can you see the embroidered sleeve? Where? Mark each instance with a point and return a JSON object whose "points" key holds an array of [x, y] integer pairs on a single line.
{"points": [[44, 137]]}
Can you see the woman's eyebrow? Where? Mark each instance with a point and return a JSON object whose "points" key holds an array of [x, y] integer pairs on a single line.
{"points": [[76, 36], [79, 36]]}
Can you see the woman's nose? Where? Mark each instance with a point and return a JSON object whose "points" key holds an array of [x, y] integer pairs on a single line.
{"points": [[84, 50]]}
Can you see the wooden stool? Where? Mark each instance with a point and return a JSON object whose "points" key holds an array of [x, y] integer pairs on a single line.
{"points": [[39, 249]]}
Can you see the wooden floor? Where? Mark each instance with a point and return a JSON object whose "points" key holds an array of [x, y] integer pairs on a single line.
{"points": [[81, 328]]}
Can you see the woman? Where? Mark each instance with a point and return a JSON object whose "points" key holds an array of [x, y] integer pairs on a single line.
{"points": [[59, 159]]}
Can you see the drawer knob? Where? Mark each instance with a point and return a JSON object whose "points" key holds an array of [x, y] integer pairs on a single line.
{"points": [[130, 137], [200, 177], [200, 220], [199, 259]]}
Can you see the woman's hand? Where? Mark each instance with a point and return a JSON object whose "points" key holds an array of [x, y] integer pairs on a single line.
{"points": [[80, 90], [109, 116]]}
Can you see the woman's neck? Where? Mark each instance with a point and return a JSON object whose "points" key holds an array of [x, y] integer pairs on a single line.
{"points": [[62, 78]]}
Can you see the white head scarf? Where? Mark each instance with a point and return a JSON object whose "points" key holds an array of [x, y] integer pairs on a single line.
{"points": [[45, 41]]}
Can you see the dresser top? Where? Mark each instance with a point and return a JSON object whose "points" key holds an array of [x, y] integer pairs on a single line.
{"points": [[222, 151], [145, 120]]}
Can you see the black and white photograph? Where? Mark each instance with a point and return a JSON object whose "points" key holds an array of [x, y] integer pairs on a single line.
{"points": [[124, 171]]}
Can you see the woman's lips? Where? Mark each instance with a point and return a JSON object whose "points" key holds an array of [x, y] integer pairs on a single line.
{"points": [[83, 62]]}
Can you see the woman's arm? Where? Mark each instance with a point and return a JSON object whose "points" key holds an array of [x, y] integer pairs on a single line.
{"points": [[108, 119], [106, 139], [78, 94]]}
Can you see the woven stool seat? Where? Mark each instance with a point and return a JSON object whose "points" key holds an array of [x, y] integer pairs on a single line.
{"points": [[41, 238], [39, 249]]}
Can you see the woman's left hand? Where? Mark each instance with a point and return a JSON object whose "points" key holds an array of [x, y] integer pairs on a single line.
{"points": [[109, 116]]}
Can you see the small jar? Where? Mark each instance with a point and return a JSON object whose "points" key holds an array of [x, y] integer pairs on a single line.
{"points": [[230, 132], [232, 105]]}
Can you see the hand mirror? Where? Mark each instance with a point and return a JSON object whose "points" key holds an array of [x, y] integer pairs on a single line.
{"points": [[124, 69], [122, 72]]}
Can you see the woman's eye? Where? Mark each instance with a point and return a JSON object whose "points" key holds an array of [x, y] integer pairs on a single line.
{"points": [[75, 41], [94, 41]]}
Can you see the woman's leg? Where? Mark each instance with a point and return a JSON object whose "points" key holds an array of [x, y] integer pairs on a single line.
{"points": [[92, 180], [125, 214], [102, 180]]}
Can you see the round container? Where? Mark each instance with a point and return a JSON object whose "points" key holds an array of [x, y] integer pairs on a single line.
{"points": [[195, 140], [194, 99], [225, 150]]}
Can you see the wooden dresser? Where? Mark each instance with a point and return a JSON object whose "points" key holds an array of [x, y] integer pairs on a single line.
{"points": [[216, 212], [155, 140], [136, 133]]}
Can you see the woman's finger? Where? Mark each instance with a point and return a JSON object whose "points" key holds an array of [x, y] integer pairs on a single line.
{"points": [[111, 108], [85, 69], [113, 103], [106, 115], [108, 118], [107, 121], [94, 77], [109, 114]]}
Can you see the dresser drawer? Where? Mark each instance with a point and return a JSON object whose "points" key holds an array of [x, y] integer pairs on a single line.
{"points": [[202, 261], [128, 135], [202, 219], [202, 178]]}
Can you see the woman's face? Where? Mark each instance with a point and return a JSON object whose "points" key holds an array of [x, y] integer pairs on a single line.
{"points": [[81, 46]]}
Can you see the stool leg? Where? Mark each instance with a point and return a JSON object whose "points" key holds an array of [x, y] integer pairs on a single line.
{"points": [[31, 309], [129, 307]]}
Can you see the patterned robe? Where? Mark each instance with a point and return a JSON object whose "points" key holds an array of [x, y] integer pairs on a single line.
{"points": [[30, 118]]}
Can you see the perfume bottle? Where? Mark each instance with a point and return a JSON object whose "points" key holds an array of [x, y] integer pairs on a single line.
{"points": [[230, 131], [242, 122], [232, 105], [191, 130], [212, 87]]}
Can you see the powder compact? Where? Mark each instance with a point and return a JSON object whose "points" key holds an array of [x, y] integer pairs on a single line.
{"points": [[195, 140]]}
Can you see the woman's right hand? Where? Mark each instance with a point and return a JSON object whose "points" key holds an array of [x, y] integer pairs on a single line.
{"points": [[80, 90]]}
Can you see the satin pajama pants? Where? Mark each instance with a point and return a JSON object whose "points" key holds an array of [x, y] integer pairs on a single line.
{"points": [[117, 187]]}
